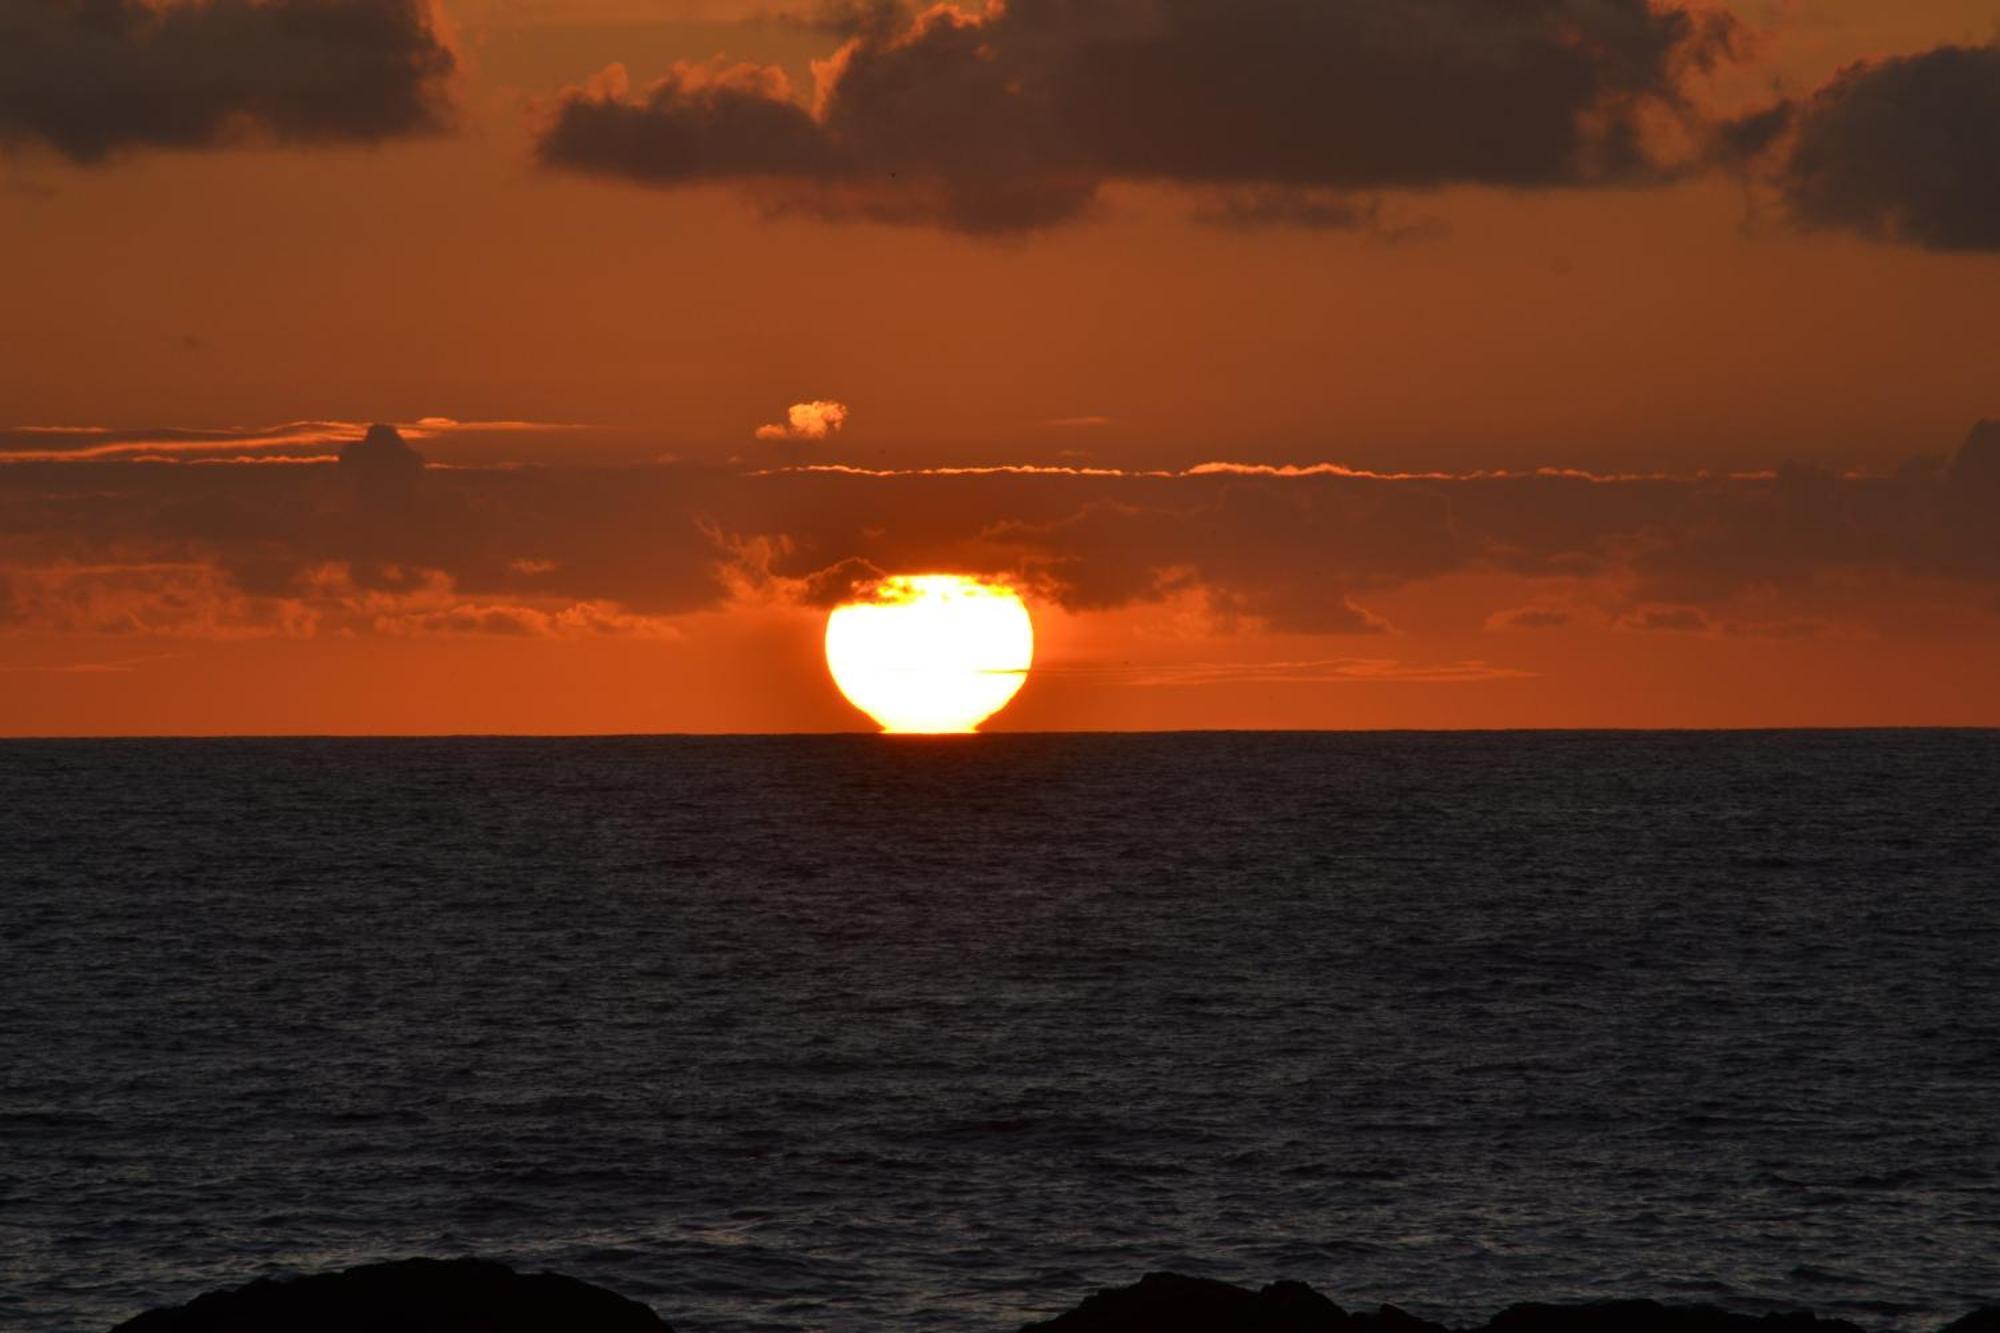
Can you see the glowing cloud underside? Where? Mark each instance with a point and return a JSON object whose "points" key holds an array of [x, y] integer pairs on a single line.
{"points": [[931, 653]]}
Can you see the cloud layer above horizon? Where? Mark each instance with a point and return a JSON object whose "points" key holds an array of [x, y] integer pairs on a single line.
{"points": [[379, 544]]}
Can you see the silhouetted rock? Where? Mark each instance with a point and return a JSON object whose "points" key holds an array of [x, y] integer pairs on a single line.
{"points": [[1652, 1317], [478, 1296], [1986, 1319], [1171, 1303], [382, 452], [409, 1296], [1391, 1319]]}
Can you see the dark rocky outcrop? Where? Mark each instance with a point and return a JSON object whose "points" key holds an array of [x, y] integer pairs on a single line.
{"points": [[1986, 1319], [410, 1296], [1653, 1317], [477, 1296], [1170, 1303]]}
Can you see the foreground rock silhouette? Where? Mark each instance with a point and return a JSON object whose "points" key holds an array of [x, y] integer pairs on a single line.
{"points": [[478, 1296], [1986, 1319], [1652, 1317], [409, 1296], [1170, 1303]]}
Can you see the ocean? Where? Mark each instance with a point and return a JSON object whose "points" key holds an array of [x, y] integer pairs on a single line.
{"points": [[863, 1033]]}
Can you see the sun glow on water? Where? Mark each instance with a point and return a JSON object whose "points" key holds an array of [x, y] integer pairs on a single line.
{"points": [[931, 653]]}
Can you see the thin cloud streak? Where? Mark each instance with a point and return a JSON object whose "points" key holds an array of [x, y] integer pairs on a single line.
{"points": [[1335, 670], [168, 444], [1280, 471]]}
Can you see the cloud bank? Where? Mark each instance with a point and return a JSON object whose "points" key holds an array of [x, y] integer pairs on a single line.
{"points": [[1292, 113], [1014, 118], [91, 78], [377, 545]]}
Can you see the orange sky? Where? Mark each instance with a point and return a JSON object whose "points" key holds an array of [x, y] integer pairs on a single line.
{"points": [[1745, 349]]}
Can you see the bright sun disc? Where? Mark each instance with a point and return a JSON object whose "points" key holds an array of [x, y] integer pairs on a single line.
{"points": [[931, 653]]}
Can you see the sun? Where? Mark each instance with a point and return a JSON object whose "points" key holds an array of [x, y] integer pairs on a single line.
{"points": [[931, 653]]}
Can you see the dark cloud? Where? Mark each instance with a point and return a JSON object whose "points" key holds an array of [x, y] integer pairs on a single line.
{"points": [[89, 78], [697, 122], [368, 545], [216, 550], [1014, 119], [1904, 149], [1310, 550], [1743, 140]]}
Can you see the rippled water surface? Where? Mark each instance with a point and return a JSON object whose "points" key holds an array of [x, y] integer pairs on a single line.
{"points": [[866, 1034]]}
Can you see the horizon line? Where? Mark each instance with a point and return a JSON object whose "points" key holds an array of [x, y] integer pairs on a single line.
{"points": [[966, 737]]}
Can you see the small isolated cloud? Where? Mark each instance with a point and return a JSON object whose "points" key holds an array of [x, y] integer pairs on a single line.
{"points": [[807, 421]]}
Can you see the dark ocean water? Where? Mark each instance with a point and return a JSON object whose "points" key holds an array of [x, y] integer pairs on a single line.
{"points": [[872, 1034]]}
